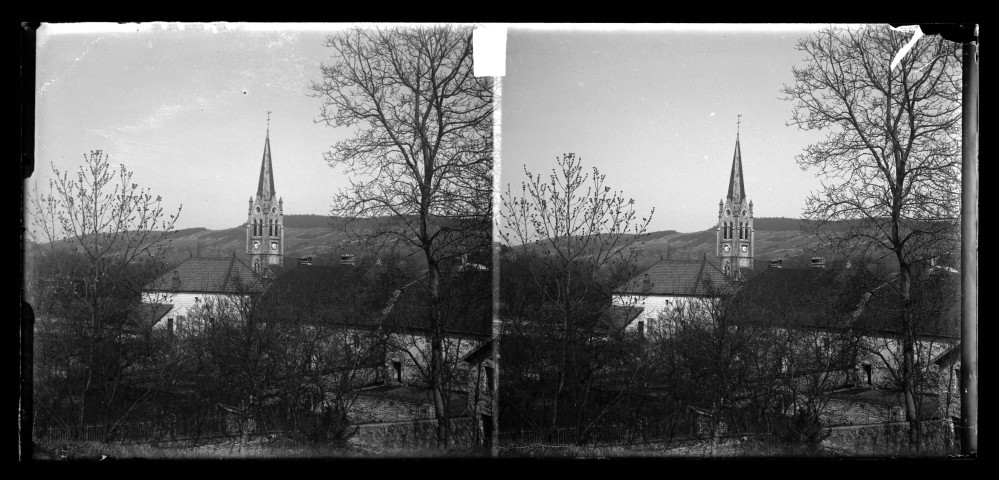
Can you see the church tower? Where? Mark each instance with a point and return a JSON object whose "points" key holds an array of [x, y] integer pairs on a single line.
{"points": [[265, 225], [735, 233]]}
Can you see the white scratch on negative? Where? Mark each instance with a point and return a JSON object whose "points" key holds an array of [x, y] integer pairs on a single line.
{"points": [[917, 33]]}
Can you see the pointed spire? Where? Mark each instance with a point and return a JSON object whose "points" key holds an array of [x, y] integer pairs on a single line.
{"points": [[265, 187], [736, 187]]}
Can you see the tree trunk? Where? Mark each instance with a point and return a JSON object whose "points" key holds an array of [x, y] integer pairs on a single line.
{"points": [[909, 357], [437, 354]]}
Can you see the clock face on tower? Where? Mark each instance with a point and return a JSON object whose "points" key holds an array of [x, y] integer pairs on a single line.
{"points": [[256, 245], [725, 248], [274, 246]]}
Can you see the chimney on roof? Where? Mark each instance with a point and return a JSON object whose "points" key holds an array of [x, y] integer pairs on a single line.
{"points": [[645, 280], [175, 281], [776, 263], [818, 262]]}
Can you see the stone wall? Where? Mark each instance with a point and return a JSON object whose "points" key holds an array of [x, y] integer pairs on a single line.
{"points": [[419, 434], [889, 439], [385, 410], [840, 412]]}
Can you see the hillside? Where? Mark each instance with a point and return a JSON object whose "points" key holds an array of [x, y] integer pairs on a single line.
{"points": [[317, 234], [303, 235], [775, 238]]}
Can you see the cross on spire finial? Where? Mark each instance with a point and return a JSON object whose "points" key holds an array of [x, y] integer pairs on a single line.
{"points": [[738, 123], [268, 121]]}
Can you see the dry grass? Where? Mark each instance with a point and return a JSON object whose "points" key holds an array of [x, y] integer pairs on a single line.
{"points": [[280, 449], [727, 449], [227, 450]]}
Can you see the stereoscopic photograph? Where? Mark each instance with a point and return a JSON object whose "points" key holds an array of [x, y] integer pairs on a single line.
{"points": [[499, 241]]}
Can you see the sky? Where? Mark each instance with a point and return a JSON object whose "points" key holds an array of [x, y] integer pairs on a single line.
{"points": [[655, 110], [185, 107]]}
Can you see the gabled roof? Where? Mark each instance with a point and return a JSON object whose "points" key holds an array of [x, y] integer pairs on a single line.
{"points": [[349, 296], [146, 315], [936, 307], [618, 317], [466, 305], [680, 277], [328, 294], [840, 300], [736, 186], [209, 275], [479, 353]]}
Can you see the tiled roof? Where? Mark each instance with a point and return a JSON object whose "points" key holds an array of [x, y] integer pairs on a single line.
{"points": [[210, 275], [333, 294], [680, 277], [826, 298], [466, 304], [936, 307], [351, 296]]}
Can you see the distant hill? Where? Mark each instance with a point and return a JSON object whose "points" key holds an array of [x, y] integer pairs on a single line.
{"points": [[775, 238], [303, 235], [319, 234]]}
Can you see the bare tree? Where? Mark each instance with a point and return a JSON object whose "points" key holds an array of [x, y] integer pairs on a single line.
{"points": [[891, 160], [97, 238], [582, 233], [421, 155]]}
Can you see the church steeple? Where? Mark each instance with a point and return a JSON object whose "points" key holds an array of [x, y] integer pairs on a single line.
{"points": [[265, 187], [736, 187], [265, 225], [735, 234]]}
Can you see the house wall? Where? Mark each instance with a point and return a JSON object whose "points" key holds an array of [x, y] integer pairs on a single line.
{"points": [[653, 306], [480, 398], [184, 304], [413, 353], [949, 392], [884, 354]]}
